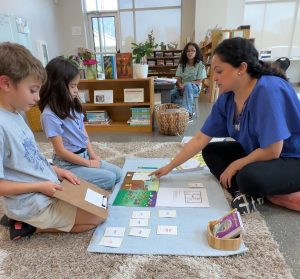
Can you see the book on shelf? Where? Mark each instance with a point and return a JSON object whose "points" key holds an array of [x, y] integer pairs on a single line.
{"points": [[83, 96], [100, 117], [229, 226], [168, 54], [124, 65], [139, 117], [177, 54], [133, 95], [169, 62], [109, 62], [160, 62], [103, 96], [158, 54], [151, 62], [195, 163]]}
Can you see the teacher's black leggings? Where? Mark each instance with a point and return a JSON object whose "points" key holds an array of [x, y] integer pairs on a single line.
{"points": [[258, 179]]}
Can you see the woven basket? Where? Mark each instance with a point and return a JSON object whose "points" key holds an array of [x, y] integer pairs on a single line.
{"points": [[33, 117], [171, 119]]}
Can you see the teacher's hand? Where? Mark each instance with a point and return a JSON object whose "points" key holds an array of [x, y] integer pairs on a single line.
{"points": [[162, 171]]}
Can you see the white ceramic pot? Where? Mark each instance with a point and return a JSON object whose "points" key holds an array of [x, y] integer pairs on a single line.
{"points": [[140, 71]]}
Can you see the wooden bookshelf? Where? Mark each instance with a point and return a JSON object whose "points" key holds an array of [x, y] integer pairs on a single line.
{"points": [[209, 89], [119, 111], [164, 63]]}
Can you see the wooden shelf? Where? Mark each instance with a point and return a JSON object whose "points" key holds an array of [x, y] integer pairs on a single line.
{"points": [[164, 70], [119, 111], [117, 104], [118, 127], [207, 49]]}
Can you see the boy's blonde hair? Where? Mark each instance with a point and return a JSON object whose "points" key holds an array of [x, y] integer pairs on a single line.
{"points": [[17, 63]]}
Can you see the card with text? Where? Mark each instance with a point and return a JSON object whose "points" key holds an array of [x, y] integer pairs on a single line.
{"points": [[141, 214], [138, 222], [196, 185], [141, 232], [114, 242], [114, 231], [167, 213], [167, 230]]}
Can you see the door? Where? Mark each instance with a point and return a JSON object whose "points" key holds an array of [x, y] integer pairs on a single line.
{"points": [[104, 35]]}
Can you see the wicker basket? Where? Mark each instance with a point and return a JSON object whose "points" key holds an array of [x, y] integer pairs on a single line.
{"points": [[171, 119], [33, 117]]}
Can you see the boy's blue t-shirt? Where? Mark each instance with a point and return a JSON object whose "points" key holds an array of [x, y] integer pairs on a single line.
{"points": [[22, 161], [71, 131], [271, 114]]}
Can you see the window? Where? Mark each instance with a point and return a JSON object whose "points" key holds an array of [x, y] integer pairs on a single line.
{"points": [[133, 21], [275, 26]]}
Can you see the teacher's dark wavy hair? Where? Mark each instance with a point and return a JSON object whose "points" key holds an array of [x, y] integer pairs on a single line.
{"points": [[238, 50]]}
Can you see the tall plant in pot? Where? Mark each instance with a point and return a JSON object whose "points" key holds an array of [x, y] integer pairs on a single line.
{"points": [[140, 52]]}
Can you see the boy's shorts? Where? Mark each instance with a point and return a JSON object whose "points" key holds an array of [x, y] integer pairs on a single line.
{"points": [[58, 215]]}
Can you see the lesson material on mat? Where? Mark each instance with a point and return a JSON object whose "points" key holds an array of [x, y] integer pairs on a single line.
{"points": [[182, 230]]}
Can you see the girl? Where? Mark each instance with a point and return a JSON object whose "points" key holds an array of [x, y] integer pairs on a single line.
{"points": [[62, 121], [261, 111], [190, 73]]}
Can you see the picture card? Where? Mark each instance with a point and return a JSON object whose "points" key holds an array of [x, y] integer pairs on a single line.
{"points": [[114, 242], [114, 231], [195, 185], [103, 96], [167, 213], [141, 232], [96, 198], [141, 176], [141, 214], [138, 222], [172, 230]]}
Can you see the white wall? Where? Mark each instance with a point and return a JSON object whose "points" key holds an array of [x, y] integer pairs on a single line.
{"points": [[42, 22], [69, 14], [187, 21], [227, 14]]}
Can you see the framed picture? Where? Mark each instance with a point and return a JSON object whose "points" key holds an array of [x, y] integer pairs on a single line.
{"points": [[103, 97], [43, 52]]}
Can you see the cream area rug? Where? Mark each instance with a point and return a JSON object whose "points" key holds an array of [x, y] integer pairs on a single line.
{"points": [[65, 256]]}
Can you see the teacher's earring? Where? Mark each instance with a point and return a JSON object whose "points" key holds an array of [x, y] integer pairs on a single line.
{"points": [[239, 73]]}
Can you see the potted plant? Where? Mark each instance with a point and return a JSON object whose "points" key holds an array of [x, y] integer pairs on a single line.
{"points": [[140, 52]]}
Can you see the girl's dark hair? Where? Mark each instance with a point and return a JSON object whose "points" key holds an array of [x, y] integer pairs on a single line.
{"points": [[183, 59], [55, 92], [238, 50]]}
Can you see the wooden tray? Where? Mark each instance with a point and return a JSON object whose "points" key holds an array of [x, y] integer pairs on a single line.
{"points": [[222, 243]]}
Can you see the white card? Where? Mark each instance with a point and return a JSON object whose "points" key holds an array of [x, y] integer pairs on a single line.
{"points": [[196, 185], [114, 231], [141, 214], [95, 198], [167, 230], [141, 232], [141, 176], [111, 241], [138, 222], [167, 213]]}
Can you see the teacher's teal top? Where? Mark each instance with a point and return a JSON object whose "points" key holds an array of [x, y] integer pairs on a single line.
{"points": [[191, 72]]}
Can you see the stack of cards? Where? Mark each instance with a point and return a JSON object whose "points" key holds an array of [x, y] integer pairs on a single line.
{"points": [[113, 237]]}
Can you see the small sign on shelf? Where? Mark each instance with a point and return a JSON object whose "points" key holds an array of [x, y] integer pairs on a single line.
{"points": [[103, 97], [133, 95]]}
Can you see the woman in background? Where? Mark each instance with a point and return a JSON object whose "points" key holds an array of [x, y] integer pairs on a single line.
{"points": [[190, 73]]}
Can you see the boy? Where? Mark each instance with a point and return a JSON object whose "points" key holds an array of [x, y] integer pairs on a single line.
{"points": [[27, 181]]}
